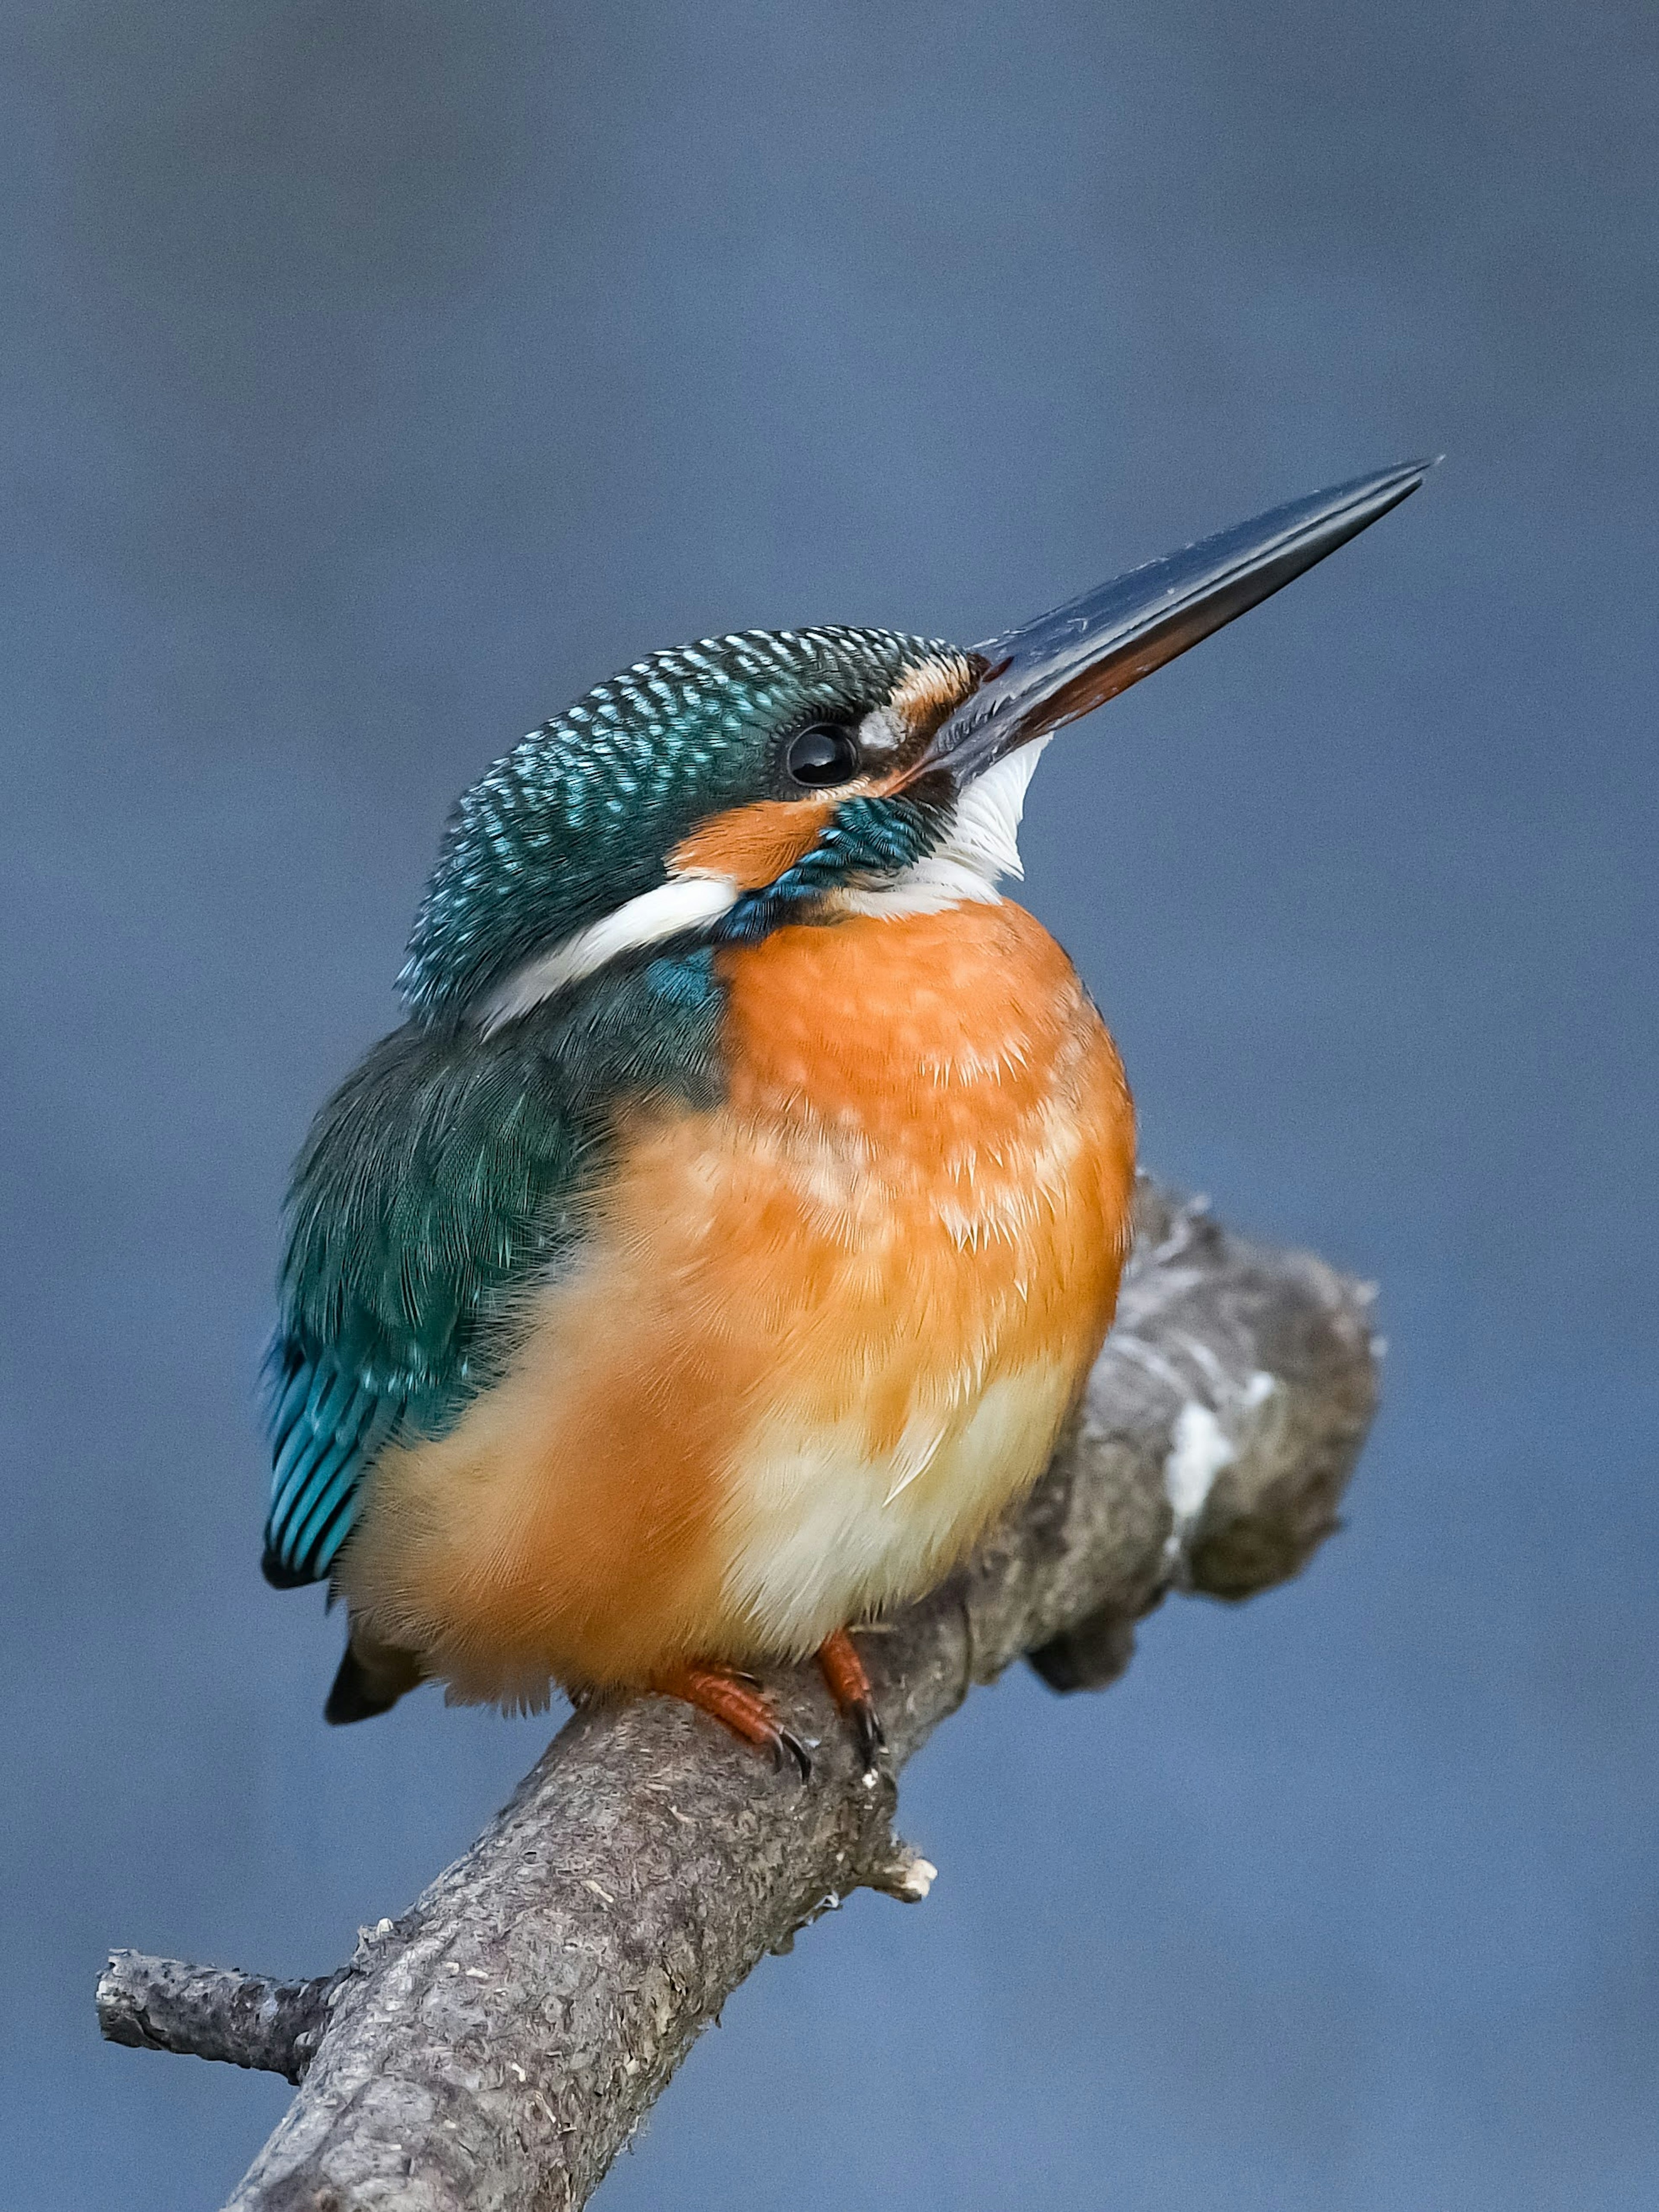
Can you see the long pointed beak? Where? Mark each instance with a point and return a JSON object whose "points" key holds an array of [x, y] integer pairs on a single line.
{"points": [[1065, 664]]}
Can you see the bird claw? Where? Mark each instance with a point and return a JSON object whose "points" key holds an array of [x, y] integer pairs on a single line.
{"points": [[788, 1745], [739, 1703], [849, 1686], [868, 1734]]}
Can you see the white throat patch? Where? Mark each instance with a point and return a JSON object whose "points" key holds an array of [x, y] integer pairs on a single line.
{"points": [[982, 847]]}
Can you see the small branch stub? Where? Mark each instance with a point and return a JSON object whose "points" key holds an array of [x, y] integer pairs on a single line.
{"points": [[906, 1876], [213, 2012], [495, 2047]]}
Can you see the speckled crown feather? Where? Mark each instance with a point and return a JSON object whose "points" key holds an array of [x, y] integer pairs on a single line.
{"points": [[581, 816]]}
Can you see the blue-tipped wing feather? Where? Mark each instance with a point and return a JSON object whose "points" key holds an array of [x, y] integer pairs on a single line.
{"points": [[325, 1433]]}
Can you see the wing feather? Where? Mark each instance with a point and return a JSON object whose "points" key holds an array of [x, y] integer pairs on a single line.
{"points": [[445, 1174]]}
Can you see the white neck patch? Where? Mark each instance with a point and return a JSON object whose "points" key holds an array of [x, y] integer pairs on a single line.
{"points": [[683, 903], [983, 845]]}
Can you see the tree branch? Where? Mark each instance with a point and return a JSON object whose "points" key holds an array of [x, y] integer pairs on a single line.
{"points": [[214, 2012], [496, 2046]]}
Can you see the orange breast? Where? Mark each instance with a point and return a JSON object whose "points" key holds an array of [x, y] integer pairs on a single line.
{"points": [[820, 1335], [939, 1140]]}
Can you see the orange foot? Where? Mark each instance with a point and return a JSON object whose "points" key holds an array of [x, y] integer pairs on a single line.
{"points": [[739, 1702], [849, 1686]]}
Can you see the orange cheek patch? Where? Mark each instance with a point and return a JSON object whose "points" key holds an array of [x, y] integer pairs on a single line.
{"points": [[753, 845]]}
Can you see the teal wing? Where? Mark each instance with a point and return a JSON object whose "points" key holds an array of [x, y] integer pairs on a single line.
{"points": [[440, 1177], [445, 1174]]}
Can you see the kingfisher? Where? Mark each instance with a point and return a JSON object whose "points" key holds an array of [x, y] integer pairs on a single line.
{"points": [[726, 1237]]}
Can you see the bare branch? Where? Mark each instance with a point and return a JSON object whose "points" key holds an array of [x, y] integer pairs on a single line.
{"points": [[495, 2047], [213, 2012]]}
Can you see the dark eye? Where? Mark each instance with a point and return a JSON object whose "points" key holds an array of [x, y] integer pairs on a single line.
{"points": [[826, 753]]}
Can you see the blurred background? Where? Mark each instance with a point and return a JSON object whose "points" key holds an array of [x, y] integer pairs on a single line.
{"points": [[374, 378]]}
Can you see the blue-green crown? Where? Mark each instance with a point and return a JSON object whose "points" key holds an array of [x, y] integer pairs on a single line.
{"points": [[580, 816]]}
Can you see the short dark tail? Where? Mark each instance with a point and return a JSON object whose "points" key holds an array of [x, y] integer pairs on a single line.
{"points": [[372, 1676]]}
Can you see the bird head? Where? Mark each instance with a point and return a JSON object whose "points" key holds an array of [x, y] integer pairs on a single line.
{"points": [[717, 791]]}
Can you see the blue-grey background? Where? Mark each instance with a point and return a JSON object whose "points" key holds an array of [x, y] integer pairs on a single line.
{"points": [[375, 377]]}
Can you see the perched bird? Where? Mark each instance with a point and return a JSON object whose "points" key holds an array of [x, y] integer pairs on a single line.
{"points": [[727, 1233]]}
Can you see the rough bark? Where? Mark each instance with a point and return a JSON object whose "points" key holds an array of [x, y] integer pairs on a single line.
{"points": [[494, 2048], [213, 2012]]}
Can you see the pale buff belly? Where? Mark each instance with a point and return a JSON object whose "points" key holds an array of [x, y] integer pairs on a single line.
{"points": [[812, 1348], [828, 1526]]}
